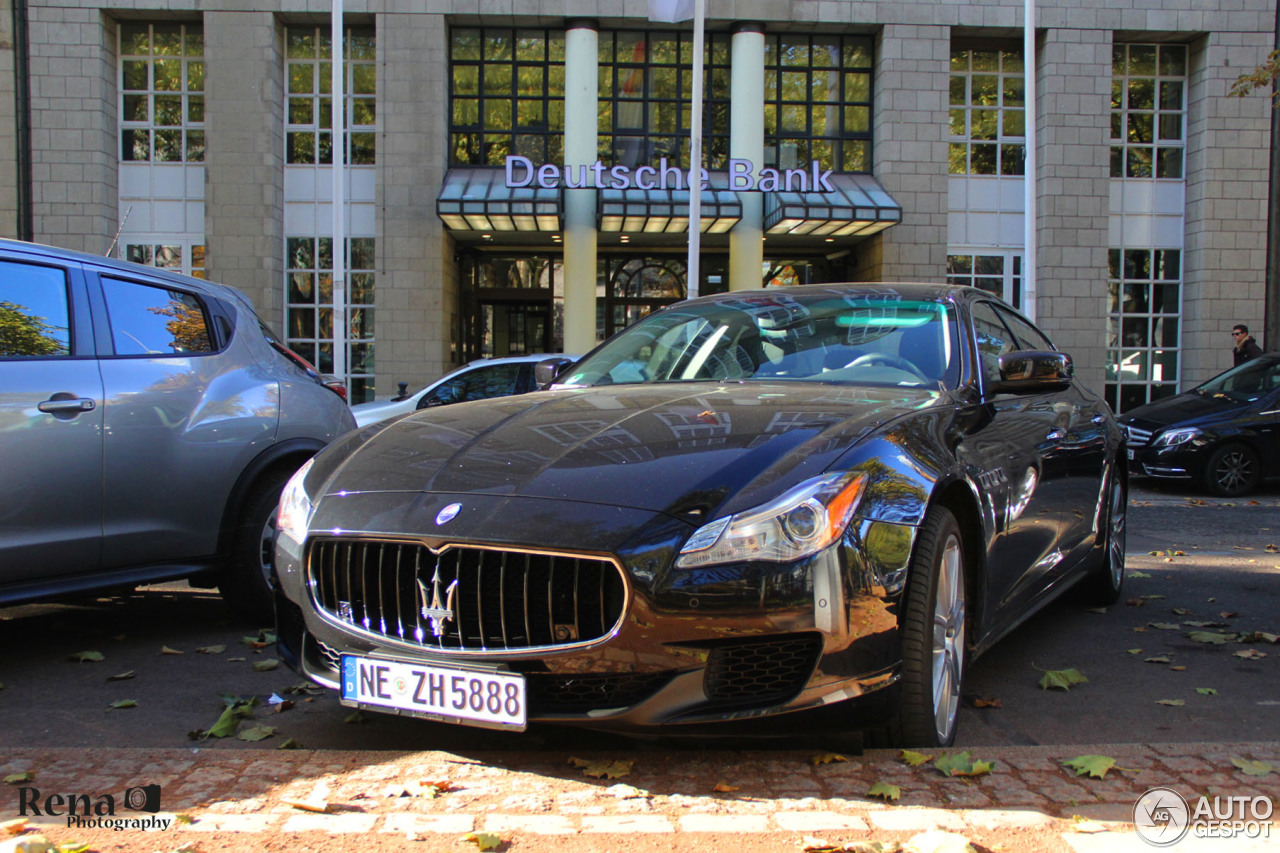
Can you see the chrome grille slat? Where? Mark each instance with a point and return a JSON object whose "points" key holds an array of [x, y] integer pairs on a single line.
{"points": [[497, 604]]}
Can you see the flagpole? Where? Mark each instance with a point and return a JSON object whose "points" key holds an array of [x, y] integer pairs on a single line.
{"points": [[339, 158], [695, 154], [1028, 305]]}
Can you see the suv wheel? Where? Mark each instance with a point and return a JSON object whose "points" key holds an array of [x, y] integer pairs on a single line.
{"points": [[246, 583]]}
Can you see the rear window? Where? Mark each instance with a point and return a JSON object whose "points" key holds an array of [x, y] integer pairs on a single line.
{"points": [[35, 320], [149, 320]]}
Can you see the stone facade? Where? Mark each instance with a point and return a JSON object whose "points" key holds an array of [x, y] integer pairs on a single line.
{"points": [[74, 143]]}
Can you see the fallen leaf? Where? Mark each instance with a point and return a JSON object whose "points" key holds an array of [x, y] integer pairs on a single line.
{"points": [[1084, 824], [1178, 668], [484, 840], [962, 764], [1250, 654], [1213, 637], [290, 744], [915, 759], [1260, 637], [211, 650], [265, 665], [885, 791], [256, 733], [1181, 611], [1135, 602], [314, 805], [123, 703], [85, 657], [122, 676], [19, 778], [17, 826], [165, 650], [1134, 651], [603, 768], [72, 847], [1160, 659], [1227, 614], [1165, 626], [1153, 597], [1095, 765], [1095, 610], [1062, 679], [1177, 703], [1252, 768], [1206, 691], [987, 703], [724, 788], [1139, 574], [826, 758], [357, 717]]}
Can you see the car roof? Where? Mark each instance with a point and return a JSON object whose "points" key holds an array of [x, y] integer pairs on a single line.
{"points": [[40, 250], [924, 291]]}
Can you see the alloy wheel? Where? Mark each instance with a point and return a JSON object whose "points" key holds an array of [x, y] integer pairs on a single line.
{"points": [[948, 639]]}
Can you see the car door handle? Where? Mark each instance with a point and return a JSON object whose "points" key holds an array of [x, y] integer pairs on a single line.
{"points": [[66, 405], [1055, 435]]}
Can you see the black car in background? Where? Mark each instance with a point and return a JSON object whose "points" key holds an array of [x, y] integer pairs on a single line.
{"points": [[794, 506], [1222, 435]]}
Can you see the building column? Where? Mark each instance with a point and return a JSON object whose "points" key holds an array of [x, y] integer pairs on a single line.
{"points": [[746, 142], [581, 94], [244, 162], [1073, 196]]}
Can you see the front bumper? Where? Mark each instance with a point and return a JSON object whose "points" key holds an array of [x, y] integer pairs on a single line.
{"points": [[1180, 462], [725, 644]]}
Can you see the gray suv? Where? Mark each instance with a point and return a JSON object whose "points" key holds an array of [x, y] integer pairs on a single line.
{"points": [[148, 422]]}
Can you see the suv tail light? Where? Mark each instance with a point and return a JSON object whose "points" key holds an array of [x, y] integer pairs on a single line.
{"points": [[329, 381]]}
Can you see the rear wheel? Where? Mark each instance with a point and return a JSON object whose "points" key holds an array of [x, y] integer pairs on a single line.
{"points": [[1232, 470], [1106, 579], [933, 635], [245, 584]]}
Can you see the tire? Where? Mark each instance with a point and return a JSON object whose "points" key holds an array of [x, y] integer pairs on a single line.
{"points": [[1232, 470], [933, 632], [1105, 579], [245, 584]]}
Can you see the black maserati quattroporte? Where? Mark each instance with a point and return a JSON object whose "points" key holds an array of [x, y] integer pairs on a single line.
{"points": [[777, 506]]}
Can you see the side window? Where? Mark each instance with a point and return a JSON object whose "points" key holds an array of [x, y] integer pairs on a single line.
{"points": [[1029, 337], [35, 317], [149, 320], [994, 339], [497, 381], [451, 391]]}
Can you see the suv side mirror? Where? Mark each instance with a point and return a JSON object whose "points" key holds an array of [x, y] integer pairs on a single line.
{"points": [[549, 370], [1033, 372]]}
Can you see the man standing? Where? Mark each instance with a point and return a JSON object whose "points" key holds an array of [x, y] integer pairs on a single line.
{"points": [[1246, 347]]}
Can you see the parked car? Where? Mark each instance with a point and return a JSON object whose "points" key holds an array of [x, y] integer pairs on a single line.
{"points": [[476, 380], [147, 424], [795, 506], [1223, 435]]}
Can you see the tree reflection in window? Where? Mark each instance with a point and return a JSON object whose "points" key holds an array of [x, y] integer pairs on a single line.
{"points": [[25, 334]]}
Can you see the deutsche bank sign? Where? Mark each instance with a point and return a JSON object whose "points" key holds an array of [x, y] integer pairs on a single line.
{"points": [[521, 172]]}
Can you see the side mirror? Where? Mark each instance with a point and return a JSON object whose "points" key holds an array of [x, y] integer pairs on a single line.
{"points": [[1033, 372], [549, 370]]}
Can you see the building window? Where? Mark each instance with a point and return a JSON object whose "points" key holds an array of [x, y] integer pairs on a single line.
{"points": [[161, 93], [1145, 294], [817, 102], [181, 256], [1148, 110], [309, 71], [506, 96], [988, 112], [999, 273], [310, 306], [646, 80]]}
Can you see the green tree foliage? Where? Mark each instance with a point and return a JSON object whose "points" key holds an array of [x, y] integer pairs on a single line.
{"points": [[1262, 76], [24, 334]]}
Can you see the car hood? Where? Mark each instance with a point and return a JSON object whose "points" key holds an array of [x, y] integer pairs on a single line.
{"points": [[686, 449], [1188, 408]]}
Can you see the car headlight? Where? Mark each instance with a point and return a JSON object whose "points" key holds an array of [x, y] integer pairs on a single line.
{"points": [[294, 513], [801, 522], [1176, 436]]}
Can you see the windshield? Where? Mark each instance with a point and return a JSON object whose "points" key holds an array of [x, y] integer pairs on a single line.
{"points": [[1244, 382], [861, 339]]}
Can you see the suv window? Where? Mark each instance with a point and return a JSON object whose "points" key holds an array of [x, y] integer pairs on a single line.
{"points": [[155, 320], [496, 380], [1028, 336], [35, 319]]}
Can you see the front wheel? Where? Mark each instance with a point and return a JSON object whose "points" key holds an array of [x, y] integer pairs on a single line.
{"points": [[246, 583], [1105, 580], [1232, 470], [933, 635]]}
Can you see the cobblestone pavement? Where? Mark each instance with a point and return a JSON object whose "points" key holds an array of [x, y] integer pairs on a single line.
{"points": [[248, 799]]}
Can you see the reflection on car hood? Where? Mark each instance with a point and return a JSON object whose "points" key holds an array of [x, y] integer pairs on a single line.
{"points": [[673, 447], [1189, 407]]}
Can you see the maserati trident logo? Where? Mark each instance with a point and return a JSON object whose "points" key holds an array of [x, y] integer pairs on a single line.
{"points": [[447, 514], [438, 612]]}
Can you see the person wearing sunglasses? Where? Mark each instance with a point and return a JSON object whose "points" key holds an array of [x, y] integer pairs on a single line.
{"points": [[1245, 346]]}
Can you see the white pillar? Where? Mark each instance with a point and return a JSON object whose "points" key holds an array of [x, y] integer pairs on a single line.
{"points": [[581, 93], [746, 142]]}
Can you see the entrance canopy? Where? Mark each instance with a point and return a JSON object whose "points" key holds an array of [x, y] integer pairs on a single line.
{"points": [[659, 211], [859, 206], [480, 200]]}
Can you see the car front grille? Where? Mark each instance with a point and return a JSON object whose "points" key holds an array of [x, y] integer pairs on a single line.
{"points": [[466, 598], [1137, 436], [760, 672]]}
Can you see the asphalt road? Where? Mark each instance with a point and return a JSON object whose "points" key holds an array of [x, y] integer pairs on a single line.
{"points": [[1225, 567]]}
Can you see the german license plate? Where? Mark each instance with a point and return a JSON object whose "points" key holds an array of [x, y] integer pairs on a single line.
{"points": [[461, 694]]}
